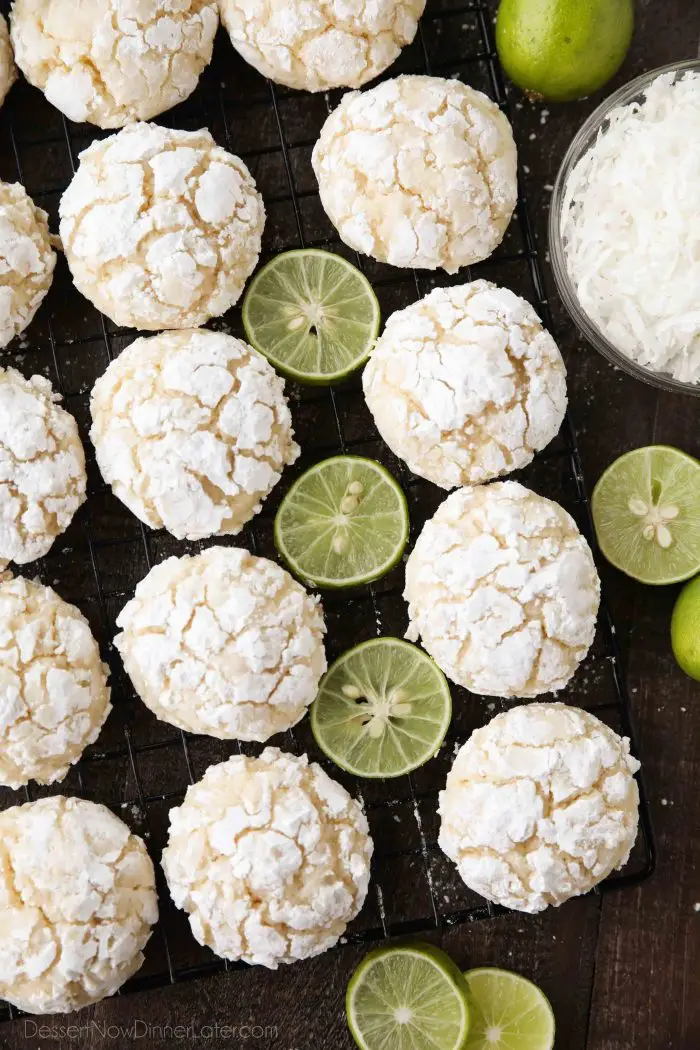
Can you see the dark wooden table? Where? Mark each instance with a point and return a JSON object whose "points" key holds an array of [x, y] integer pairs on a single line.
{"points": [[622, 971]]}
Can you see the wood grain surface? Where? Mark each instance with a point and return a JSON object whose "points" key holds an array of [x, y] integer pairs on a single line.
{"points": [[622, 971]]}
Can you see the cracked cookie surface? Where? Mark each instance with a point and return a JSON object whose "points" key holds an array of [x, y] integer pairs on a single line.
{"points": [[223, 643], [192, 431], [42, 468], [269, 857], [27, 259], [8, 69], [540, 805], [503, 591], [466, 384], [418, 171], [54, 697], [161, 228], [71, 930], [316, 45], [111, 62]]}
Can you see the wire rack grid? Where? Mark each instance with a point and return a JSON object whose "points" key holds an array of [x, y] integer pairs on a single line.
{"points": [[140, 767]]}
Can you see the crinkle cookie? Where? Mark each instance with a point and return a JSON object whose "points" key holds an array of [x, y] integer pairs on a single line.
{"points": [[161, 228], [77, 902], [418, 171], [540, 805], [503, 591], [192, 431], [111, 62], [466, 384], [27, 259], [269, 857], [316, 45], [8, 69], [54, 697], [42, 467], [223, 643]]}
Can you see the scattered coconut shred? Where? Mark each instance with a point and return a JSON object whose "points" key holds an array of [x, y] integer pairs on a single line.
{"points": [[631, 229]]}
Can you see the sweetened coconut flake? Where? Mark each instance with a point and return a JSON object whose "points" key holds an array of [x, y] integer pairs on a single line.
{"points": [[631, 228]]}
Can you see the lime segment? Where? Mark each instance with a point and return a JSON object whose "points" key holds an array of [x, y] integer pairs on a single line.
{"points": [[508, 1012], [382, 709], [411, 997], [313, 315], [646, 510], [344, 522]]}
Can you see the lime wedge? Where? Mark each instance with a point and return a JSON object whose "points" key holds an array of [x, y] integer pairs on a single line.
{"points": [[508, 1012], [344, 522], [646, 510], [382, 709], [411, 997], [313, 315]]}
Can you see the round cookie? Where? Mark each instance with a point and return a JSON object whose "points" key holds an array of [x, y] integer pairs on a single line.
{"points": [[466, 384], [419, 172], [42, 467], [111, 62], [8, 69], [540, 805], [161, 228], [223, 643], [54, 697], [317, 45], [77, 902], [269, 857], [28, 260], [192, 431], [503, 591]]}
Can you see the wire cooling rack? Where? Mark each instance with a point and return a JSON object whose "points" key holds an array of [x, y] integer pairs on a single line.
{"points": [[141, 767]]}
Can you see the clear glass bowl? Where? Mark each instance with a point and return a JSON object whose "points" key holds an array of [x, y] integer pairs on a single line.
{"points": [[582, 142]]}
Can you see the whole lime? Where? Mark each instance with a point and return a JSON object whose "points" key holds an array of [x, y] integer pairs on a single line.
{"points": [[685, 629], [563, 49]]}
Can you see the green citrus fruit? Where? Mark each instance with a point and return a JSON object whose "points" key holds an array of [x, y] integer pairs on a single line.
{"points": [[508, 1012], [563, 49], [685, 629]]}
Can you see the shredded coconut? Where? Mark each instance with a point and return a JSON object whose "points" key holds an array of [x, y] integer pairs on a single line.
{"points": [[223, 643], [419, 171], [77, 902], [27, 259], [503, 590], [192, 431], [466, 384], [161, 228], [54, 697], [630, 232], [269, 857], [113, 61], [42, 467], [315, 45], [8, 70], [540, 805]]}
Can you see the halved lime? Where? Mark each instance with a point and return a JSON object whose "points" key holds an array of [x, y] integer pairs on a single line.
{"points": [[313, 315], [382, 709], [344, 522], [508, 1012], [646, 510], [409, 997]]}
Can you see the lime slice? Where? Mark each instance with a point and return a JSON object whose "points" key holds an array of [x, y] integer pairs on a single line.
{"points": [[411, 997], [646, 509], [508, 1012], [344, 522], [313, 315], [382, 709]]}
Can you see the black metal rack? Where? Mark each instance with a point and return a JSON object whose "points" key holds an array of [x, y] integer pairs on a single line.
{"points": [[140, 767]]}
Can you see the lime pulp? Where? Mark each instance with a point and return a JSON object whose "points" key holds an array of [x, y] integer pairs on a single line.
{"points": [[646, 510], [342, 523], [409, 997], [508, 1012], [382, 709], [313, 315]]}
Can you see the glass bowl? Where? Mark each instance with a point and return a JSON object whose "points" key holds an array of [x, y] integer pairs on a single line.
{"points": [[582, 142]]}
